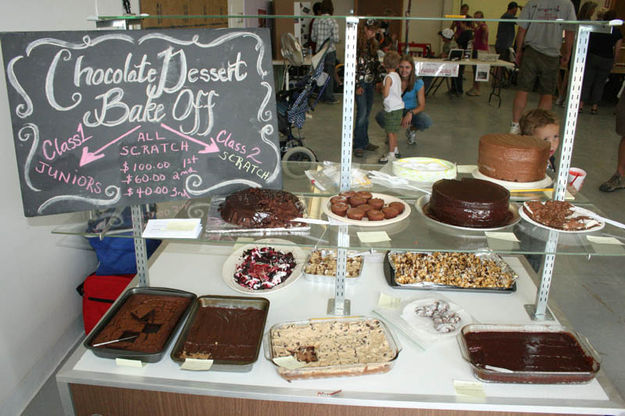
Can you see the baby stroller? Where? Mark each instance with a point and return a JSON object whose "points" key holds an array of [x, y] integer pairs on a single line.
{"points": [[294, 103]]}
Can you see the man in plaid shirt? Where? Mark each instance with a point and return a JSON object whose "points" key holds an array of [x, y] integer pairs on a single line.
{"points": [[326, 28]]}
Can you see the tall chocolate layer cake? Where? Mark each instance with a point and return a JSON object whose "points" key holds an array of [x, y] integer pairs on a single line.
{"points": [[470, 202], [261, 208], [514, 158]]}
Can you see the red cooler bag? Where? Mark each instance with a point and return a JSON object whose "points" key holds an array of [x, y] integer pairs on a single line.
{"points": [[98, 294]]}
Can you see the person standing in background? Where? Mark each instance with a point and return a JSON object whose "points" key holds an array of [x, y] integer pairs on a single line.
{"points": [[505, 32], [316, 12], [604, 50], [367, 74], [463, 34], [617, 181], [323, 28], [538, 53], [480, 43], [585, 12]]}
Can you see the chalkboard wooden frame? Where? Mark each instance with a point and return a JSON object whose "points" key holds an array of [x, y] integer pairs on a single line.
{"points": [[108, 118]]}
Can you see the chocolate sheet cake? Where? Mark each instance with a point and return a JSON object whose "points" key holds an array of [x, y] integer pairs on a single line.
{"points": [[228, 334], [148, 318]]}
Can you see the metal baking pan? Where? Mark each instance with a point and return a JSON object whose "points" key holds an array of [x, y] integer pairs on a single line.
{"points": [[324, 278], [489, 368], [389, 274], [108, 351], [321, 339], [229, 302]]}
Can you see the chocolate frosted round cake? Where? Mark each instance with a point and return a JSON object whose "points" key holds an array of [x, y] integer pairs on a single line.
{"points": [[469, 202], [261, 208], [514, 158]]}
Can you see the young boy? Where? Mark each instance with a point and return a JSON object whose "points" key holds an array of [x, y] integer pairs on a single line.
{"points": [[393, 104], [544, 125]]}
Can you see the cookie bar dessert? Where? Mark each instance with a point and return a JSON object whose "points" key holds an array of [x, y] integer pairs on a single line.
{"points": [[347, 347]]}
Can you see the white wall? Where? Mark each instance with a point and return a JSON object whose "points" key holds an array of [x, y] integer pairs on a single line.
{"points": [[40, 315]]}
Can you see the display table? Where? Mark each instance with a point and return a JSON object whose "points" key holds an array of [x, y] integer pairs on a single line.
{"points": [[421, 378]]}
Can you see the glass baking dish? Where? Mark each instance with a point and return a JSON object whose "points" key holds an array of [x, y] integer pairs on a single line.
{"points": [[540, 354], [360, 345], [325, 260], [240, 338]]}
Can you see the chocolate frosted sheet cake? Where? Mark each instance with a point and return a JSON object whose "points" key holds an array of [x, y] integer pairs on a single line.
{"points": [[224, 334], [529, 354], [148, 318], [332, 348], [261, 208], [469, 202], [513, 158]]}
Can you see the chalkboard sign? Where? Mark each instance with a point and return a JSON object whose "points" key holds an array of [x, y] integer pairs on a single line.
{"points": [[115, 118]]}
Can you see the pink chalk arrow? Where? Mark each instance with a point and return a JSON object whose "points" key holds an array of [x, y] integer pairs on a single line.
{"points": [[88, 157], [206, 148]]}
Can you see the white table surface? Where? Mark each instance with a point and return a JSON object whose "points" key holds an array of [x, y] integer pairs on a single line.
{"points": [[420, 378]]}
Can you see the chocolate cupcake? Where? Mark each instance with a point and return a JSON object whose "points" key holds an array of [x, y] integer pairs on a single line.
{"points": [[389, 212], [354, 201], [365, 207], [364, 194], [376, 203], [348, 194], [355, 214], [375, 215], [337, 199], [399, 206], [340, 208]]}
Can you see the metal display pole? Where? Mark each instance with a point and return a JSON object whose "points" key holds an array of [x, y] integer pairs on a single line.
{"points": [[140, 251], [339, 305], [539, 310]]}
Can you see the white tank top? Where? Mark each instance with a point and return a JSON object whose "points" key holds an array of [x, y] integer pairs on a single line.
{"points": [[393, 101]]}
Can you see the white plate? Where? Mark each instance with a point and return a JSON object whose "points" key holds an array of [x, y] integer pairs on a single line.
{"points": [[511, 186], [282, 245], [425, 324], [325, 205], [576, 210], [425, 199]]}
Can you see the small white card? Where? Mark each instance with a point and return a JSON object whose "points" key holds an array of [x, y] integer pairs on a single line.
{"points": [[373, 236], [466, 168], [469, 388], [124, 362], [289, 362], [603, 240], [195, 364], [173, 228], [387, 301], [506, 236]]}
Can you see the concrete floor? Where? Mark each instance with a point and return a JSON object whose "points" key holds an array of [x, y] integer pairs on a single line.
{"points": [[590, 292]]}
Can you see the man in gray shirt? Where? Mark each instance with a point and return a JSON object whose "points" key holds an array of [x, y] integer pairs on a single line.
{"points": [[505, 32], [538, 48]]}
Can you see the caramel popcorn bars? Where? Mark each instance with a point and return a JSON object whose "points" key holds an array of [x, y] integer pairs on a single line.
{"points": [[464, 270]]}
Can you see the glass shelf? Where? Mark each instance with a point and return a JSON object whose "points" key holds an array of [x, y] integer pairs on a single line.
{"points": [[416, 232]]}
